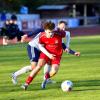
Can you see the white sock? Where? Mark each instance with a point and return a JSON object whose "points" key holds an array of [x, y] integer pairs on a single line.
{"points": [[23, 70], [47, 68]]}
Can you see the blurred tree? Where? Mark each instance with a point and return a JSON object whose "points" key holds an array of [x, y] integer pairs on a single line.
{"points": [[11, 5], [14, 5]]}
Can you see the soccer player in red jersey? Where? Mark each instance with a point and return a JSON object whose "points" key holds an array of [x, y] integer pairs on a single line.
{"points": [[34, 52], [52, 41]]}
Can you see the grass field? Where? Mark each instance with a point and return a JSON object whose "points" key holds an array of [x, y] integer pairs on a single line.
{"points": [[83, 71]]}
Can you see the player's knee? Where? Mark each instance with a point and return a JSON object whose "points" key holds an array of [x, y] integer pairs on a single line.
{"points": [[33, 65], [41, 64]]}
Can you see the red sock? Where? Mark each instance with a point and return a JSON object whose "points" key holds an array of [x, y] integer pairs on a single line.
{"points": [[47, 75], [29, 80]]}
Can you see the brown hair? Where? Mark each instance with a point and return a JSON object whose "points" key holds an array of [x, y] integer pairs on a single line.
{"points": [[63, 22], [49, 25]]}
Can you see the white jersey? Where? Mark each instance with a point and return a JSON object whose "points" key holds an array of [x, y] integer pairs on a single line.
{"points": [[67, 39], [35, 41]]}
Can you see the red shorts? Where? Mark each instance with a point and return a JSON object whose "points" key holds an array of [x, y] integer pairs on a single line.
{"points": [[48, 60]]}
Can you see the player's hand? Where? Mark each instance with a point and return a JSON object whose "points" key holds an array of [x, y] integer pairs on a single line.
{"points": [[52, 56], [66, 50], [77, 54], [23, 38]]}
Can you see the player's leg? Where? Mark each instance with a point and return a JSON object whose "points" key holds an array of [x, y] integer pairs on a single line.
{"points": [[34, 72], [19, 72], [47, 68], [33, 54], [48, 75], [54, 68]]}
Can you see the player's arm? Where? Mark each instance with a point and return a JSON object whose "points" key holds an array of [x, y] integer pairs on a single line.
{"points": [[25, 36], [70, 50], [67, 36], [74, 52], [31, 34], [67, 39], [41, 47], [65, 48]]}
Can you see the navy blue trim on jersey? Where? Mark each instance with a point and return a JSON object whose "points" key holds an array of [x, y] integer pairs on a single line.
{"points": [[35, 32], [33, 53], [72, 52], [64, 46]]}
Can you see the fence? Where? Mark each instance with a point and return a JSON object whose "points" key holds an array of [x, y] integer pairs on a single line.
{"points": [[29, 24]]}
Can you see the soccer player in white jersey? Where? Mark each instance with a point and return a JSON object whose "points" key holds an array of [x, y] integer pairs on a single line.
{"points": [[34, 52]]}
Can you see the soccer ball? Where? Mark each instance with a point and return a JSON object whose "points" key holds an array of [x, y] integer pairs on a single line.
{"points": [[66, 85]]}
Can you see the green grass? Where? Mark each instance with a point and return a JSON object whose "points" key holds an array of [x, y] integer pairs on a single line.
{"points": [[83, 71]]}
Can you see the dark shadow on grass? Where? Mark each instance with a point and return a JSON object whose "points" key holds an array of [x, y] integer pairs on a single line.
{"points": [[35, 86], [17, 88], [89, 89], [87, 85]]}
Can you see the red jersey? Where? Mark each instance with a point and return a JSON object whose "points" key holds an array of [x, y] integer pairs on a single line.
{"points": [[54, 44]]}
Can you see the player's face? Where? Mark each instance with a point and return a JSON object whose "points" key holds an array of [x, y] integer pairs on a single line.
{"points": [[49, 33], [15, 22], [7, 22], [62, 26], [10, 21]]}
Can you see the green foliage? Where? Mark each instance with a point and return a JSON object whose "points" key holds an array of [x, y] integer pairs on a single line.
{"points": [[14, 5], [83, 71]]}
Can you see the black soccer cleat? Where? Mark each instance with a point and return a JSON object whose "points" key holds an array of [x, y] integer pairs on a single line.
{"points": [[24, 86]]}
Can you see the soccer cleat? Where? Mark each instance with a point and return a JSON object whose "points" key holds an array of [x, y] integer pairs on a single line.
{"points": [[50, 81], [43, 85], [14, 79], [24, 86]]}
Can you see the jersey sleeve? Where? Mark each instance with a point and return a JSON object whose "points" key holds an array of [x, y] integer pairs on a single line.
{"points": [[41, 39], [67, 39], [35, 32]]}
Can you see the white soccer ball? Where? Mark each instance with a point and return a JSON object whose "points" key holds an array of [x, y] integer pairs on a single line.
{"points": [[66, 85]]}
